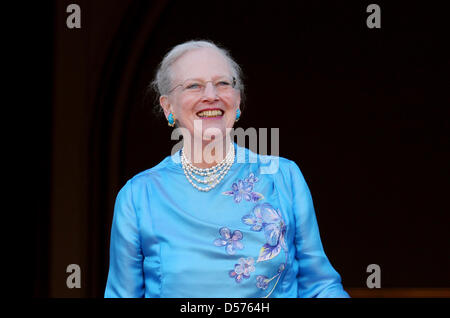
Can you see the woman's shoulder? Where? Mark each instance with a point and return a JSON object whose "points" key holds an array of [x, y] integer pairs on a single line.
{"points": [[160, 170], [270, 164], [283, 172]]}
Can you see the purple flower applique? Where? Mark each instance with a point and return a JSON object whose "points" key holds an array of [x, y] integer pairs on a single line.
{"points": [[251, 178], [243, 269], [262, 282], [265, 217], [243, 189], [231, 241], [255, 219]]}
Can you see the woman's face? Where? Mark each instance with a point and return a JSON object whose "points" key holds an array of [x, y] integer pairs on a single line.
{"points": [[199, 83]]}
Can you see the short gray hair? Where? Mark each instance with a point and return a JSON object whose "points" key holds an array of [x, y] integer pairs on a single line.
{"points": [[162, 82]]}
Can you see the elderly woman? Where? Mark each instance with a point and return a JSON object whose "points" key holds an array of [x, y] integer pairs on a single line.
{"points": [[213, 223]]}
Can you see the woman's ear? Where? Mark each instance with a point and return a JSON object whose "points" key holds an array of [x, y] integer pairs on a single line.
{"points": [[164, 102]]}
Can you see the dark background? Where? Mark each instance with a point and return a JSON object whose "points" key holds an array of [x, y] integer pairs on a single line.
{"points": [[363, 112]]}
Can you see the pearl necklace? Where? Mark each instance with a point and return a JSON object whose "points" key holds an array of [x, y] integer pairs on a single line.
{"points": [[212, 176]]}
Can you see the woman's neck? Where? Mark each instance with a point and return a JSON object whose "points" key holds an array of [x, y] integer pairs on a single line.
{"points": [[206, 153]]}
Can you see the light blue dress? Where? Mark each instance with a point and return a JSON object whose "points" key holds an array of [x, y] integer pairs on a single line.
{"points": [[254, 235]]}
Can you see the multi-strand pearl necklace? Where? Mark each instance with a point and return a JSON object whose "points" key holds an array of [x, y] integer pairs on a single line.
{"points": [[211, 176]]}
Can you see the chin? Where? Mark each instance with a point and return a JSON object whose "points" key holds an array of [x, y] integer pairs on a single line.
{"points": [[213, 130]]}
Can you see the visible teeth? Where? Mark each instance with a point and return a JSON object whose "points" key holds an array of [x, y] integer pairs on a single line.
{"points": [[210, 113]]}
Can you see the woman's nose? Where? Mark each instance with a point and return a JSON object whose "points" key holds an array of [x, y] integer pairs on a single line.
{"points": [[210, 92]]}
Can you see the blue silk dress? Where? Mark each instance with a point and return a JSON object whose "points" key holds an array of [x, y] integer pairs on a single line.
{"points": [[254, 235]]}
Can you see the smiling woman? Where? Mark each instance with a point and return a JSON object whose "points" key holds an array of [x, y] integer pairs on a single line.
{"points": [[200, 83], [192, 227]]}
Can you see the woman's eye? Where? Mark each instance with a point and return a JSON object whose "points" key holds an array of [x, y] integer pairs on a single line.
{"points": [[193, 86], [223, 83]]}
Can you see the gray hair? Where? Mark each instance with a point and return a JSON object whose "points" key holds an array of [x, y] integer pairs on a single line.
{"points": [[162, 82]]}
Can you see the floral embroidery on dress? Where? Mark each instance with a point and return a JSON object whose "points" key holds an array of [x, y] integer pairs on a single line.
{"points": [[243, 269], [268, 219], [243, 189], [262, 282], [251, 178], [231, 241], [265, 217]]}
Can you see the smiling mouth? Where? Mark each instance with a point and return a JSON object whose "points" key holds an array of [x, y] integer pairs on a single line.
{"points": [[210, 113]]}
